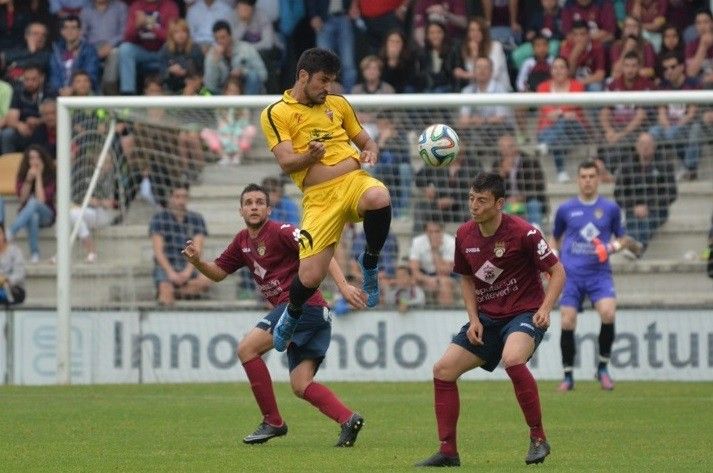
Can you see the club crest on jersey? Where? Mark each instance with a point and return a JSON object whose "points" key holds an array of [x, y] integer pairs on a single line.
{"points": [[261, 248], [330, 114], [598, 213], [499, 249]]}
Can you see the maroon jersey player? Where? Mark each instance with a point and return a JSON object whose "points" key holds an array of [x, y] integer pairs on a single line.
{"points": [[270, 250], [500, 258]]}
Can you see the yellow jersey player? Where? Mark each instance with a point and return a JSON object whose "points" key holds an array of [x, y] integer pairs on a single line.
{"points": [[310, 132]]}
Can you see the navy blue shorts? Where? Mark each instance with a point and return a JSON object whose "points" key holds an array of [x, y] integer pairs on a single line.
{"points": [[600, 286], [495, 332], [312, 335]]}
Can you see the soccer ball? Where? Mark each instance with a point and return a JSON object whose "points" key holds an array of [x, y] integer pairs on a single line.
{"points": [[438, 145]]}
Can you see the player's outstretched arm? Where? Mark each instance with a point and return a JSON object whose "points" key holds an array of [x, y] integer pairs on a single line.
{"points": [[209, 269], [369, 148], [554, 288], [291, 162], [355, 296]]}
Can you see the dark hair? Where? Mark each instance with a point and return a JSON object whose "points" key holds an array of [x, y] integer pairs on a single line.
{"points": [[671, 55], [489, 182], [588, 164], [272, 183], [180, 185], [70, 18], [316, 60], [255, 188], [2, 230], [705, 11], [153, 79], [539, 37], [632, 55], [48, 173], [222, 25], [247, 2], [580, 24], [35, 67], [80, 72]]}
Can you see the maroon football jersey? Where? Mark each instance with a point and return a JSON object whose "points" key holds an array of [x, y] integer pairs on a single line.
{"points": [[505, 267], [272, 257]]}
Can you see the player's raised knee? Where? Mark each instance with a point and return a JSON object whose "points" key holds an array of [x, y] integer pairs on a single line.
{"points": [[376, 198]]}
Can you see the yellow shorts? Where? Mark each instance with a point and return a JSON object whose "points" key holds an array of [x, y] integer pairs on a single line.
{"points": [[328, 206]]}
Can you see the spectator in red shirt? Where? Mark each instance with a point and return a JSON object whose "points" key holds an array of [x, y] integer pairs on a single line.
{"points": [[597, 15], [559, 127], [585, 56], [622, 123], [632, 40], [699, 53], [146, 31], [652, 15]]}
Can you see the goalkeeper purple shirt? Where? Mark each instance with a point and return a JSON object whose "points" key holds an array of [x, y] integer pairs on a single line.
{"points": [[578, 224], [505, 266], [272, 258]]}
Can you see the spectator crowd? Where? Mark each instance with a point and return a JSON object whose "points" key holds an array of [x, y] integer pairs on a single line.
{"points": [[51, 48]]}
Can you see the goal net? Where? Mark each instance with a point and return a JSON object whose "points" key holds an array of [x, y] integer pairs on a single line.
{"points": [[120, 160]]}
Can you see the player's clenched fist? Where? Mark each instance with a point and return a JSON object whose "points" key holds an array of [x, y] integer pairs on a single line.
{"points": [[315, 151], [368, 157], [475, 333], [191, 253]]}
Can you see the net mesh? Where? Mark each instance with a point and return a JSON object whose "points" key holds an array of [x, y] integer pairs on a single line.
{"points": [[536, 148]]}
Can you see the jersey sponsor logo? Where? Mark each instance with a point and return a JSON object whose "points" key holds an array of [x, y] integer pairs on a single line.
{"points": [[259, 270], [261, 249], [246, 250], [320, 135], [576, 213], [499, 249], [488, 273], [589, 232], [472, 250]]}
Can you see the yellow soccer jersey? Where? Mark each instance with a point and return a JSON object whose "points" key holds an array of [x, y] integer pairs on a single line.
{"points": [[334, 122]]}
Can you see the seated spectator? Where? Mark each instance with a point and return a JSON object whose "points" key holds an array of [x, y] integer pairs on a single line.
{"points": [[36, 187], [452, 15], [371, 68], [478, 43], [623, 122], [24, 115], [405, 293], [560, 127], [671, 42], [101, 210], [682, 15], [535, 69], [632, 41], [443, 192], [178, 56], [678, 124], [587, 62], [70, 54], [169, 230], [435, 61], [485, 123], [651, 14], [645, 188], [33, 53], [45, 134], [12, 24], [544, 22], [333, 29], [145, 34], [431, 261], [387, 260], [399, 64], [283, 208], [525, 188], [103, 25], [502, 16], [202, 15], [253, 26], [5, 101], [233, 135], [233, 58], [699, 52], [598, 16], [12, 272]]}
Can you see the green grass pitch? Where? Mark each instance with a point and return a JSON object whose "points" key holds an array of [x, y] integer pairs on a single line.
{"points": [[641, 426]]}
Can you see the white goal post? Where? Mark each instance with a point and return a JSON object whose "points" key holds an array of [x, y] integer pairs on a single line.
{"points": [[66, 105]]}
